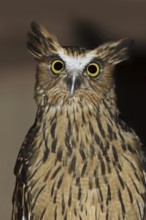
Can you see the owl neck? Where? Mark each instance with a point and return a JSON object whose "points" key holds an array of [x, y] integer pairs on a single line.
{"points": [[80, 111], [76, 127]]}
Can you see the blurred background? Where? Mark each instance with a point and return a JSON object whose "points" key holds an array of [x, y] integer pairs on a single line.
{"points": [[86, 23]]}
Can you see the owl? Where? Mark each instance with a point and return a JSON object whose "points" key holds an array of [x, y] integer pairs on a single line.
{"points": [[78, 161]]}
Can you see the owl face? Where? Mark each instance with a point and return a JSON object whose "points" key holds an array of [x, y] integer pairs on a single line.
{"points": [[73, 74]]}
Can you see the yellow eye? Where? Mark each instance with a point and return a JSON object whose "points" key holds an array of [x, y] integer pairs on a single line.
{"points": [[57, 66], [93, 70]]}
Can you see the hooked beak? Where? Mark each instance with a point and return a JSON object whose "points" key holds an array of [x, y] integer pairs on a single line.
{"points": [[73, 83], [72, 89]]}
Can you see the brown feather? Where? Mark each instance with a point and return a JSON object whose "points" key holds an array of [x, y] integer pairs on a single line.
{"points": [[78, 161]]}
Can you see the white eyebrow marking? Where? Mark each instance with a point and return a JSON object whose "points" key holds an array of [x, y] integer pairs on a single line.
{"points": [[78, 62]]}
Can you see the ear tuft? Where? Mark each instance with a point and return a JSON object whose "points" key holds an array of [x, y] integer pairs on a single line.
{"points": [[120, 50], [40, 42], [36, 29]]}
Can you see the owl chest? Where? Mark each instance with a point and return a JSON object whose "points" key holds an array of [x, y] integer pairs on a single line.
{"points": [[82, 190], [75, 145], [80, 175]]}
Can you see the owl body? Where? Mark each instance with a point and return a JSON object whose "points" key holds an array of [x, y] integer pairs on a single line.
{"points": [[78, 161]]}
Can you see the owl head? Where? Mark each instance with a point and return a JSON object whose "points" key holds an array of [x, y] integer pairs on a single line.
{"points": [[67, 75]]}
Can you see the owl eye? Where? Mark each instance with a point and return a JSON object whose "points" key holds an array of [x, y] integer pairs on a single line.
{"points": [[93, 70], [57, 66]]}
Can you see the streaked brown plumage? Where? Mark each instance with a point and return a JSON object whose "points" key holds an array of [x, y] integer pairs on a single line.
{"points": [[78, 161]]}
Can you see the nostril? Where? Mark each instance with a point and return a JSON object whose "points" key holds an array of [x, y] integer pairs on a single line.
{"points": [[76, 83], [69, 82]]}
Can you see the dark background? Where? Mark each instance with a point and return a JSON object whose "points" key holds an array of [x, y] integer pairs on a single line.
{"points": [[86, 23]]}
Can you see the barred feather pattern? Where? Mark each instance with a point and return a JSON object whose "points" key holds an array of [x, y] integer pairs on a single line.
{"points": [[80, 168]]}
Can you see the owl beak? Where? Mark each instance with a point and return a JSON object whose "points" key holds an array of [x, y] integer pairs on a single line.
{"points": [[73, 83], [72, 88]]}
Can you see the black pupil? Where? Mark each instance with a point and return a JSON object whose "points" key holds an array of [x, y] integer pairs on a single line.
{"points": [[92, 69], [58, 66]]}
